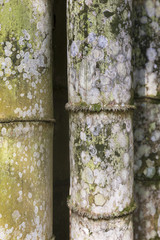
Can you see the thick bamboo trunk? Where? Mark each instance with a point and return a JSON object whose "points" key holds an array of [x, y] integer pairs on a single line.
{"points": [[100, 103], [26, 126], [147, 118]]}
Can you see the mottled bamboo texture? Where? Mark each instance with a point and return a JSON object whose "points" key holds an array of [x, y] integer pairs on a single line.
{"points": [[99, 52], [101, 153], [26, 181], [146, 50], [147, 222], [147, 141], [25, 68], [147, 118], [101, 139], [26, 133]]}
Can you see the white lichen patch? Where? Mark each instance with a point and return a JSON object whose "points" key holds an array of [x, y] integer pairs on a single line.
{"points": [[87, 176], [16, 215], [99, 200], [3, 131]]}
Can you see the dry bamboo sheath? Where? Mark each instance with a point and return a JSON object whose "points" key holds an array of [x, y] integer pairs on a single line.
{"points": [[100, 104], [26, 128], [147, 118]]}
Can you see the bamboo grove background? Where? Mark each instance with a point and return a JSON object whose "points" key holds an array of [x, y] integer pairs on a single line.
{"points": [[85, 202]]}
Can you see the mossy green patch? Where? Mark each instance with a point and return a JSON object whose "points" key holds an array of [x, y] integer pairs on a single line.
{"points": [[14, 18], [129, 209], [91, 165], [96, 107]]}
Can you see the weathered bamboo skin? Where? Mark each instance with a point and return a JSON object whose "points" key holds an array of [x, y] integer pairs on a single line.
{"points": [[26, 114], [146, 120], [113, 229], [101, 153], [147, 215], [99, 52], [147, 140], [25, 49], [101, 141], [146, 48], [26, 181]]}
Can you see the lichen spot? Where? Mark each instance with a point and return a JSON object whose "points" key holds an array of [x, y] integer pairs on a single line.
{"points": [[18, 144], [16, 215], [99, 200], [29, 195], [3, 131]]}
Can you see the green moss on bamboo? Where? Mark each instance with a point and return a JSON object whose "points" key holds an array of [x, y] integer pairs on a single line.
{"points": [[16, 17], [129, 209]]}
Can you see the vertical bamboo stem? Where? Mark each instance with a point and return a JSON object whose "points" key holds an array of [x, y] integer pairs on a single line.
{"points": [[26, 126], [100, 103], [147, 118]]}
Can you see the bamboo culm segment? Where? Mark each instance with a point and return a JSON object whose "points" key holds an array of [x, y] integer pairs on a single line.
{"points": [[147, 215], [146, 48], [147, 170], [26, 95], [101, 153], [147, 141], [100, 103], [146, 55], [25, 62], [99, 52], [26, 181]]}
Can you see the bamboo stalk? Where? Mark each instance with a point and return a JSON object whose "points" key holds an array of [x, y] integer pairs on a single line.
{"points": [[147, 119], [26, 128], [146, 219], [100, 104], [147, 187]]}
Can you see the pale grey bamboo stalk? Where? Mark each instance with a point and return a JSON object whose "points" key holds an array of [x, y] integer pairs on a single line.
{"points": [[26, 124], [147, 118], [100, 104]]}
